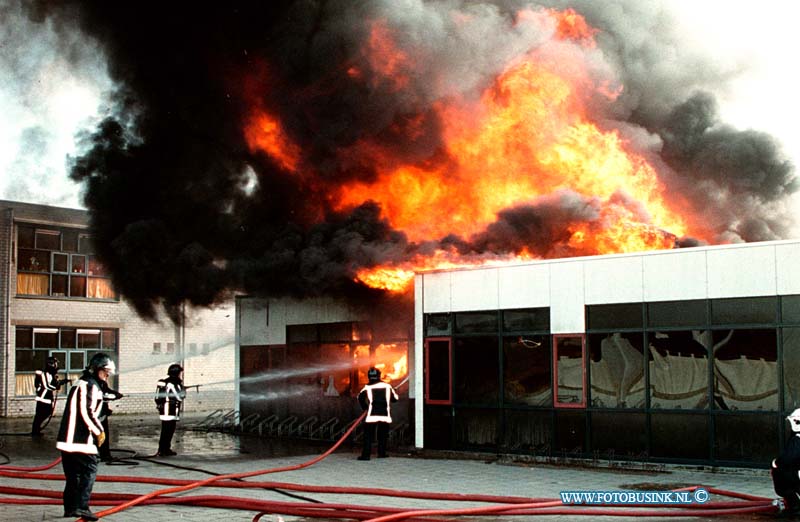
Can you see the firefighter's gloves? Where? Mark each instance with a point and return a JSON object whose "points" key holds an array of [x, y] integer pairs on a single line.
{"points": [[101, 438]]}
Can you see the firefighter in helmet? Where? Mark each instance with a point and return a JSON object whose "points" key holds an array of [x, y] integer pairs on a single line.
{"points": [[47, 383], [786, 468], [81, 433], [169, 399], [376, 398]]}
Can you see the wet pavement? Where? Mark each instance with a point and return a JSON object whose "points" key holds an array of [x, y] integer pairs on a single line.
{"points": [[202, 453]]}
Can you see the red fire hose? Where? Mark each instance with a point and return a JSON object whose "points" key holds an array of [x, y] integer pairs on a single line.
{"points": [[506, 505]]}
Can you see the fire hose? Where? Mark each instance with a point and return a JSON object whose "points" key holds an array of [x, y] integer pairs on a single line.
{"points": [[507, 505]]}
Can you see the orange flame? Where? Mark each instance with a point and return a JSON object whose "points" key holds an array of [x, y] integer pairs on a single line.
{"points": [[393, 361], [528, 135], [266, 133]]}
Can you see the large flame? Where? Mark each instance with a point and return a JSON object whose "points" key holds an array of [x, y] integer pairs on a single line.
{"points": [[528, 135]]}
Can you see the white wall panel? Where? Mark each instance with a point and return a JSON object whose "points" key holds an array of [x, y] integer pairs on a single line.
{"points": [[613, 280], [741, 272], [436, 292], [788, 267], [525, 286], [675, 276], [474, 289], [566, 298]]}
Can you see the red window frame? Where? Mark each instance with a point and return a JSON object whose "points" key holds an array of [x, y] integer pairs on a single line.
{"points": [[582, 402], [449, 341]]}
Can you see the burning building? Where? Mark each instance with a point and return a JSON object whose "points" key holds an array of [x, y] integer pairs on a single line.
{"points": [[670, 356], [303, 362], [332, 149]]}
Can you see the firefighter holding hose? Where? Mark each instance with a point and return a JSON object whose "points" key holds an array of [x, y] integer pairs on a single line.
{"points": [[47, 384], [169, 399], [786, 468], [376, 398]]}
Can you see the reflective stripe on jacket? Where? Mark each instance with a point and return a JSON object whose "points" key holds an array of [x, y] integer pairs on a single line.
{"points": [[46, 384], [376, 399], [173, 392], [80, 423]]}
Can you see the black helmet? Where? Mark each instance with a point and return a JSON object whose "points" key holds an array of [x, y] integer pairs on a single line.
{"points": [[51, 365], [374, 375], [174, 370], [100, 361]]}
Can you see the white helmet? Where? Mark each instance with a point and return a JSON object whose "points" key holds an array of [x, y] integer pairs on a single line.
{"points": [[794, 420]]}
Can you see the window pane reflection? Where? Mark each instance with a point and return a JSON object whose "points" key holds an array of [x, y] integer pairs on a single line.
{"points": [[791, 368], [526, 370], [746, 369], [616, 370], [570, 369], [679, 369]]}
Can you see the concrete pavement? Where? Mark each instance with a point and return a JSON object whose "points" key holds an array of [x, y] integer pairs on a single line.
{"points": [[223, 453]]}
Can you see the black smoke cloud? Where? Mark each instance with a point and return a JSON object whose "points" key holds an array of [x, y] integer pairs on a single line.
{"points": [[543, 227], [183, 211], [738, 175]]}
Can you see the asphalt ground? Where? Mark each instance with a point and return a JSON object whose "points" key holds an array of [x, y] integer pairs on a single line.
{"points": [[201, 453]]}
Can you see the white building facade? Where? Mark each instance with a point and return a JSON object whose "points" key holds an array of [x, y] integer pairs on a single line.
{"points": [[676, 356]]}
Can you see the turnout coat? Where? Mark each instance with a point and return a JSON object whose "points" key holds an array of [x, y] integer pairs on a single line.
{"points": [[80, 424], [376, 398], [169, 398], [46, 383]]}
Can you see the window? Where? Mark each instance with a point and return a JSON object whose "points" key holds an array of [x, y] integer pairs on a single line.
{"points": [[438, 372], [476, 365], [752, 310], [615, 316], [791, 368], [476, 322], [677, 313], [616, 370], [437, 324], [569, 371], [59, 263], [746, 369], [156, 347], [335, 357], [526, 320], [526, 370], [790, 309], [72, 347], [678, 366]]}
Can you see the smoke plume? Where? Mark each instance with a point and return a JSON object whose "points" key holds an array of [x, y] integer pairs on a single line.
{"points": [[184, 208]]}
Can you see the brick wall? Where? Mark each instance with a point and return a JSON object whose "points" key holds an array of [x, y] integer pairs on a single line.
{"points": [[205, 345]]}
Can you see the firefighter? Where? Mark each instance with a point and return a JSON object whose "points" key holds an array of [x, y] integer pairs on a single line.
{"points": [[786, 468], [80, 434], [109, 394], [169, 400], [376, 398], [47, 383]]}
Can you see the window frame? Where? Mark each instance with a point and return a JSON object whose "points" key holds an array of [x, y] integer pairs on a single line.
{"points": [[569, 405]]}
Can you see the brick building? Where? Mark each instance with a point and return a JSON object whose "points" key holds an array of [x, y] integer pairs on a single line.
{"points": [[57, 300]]}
